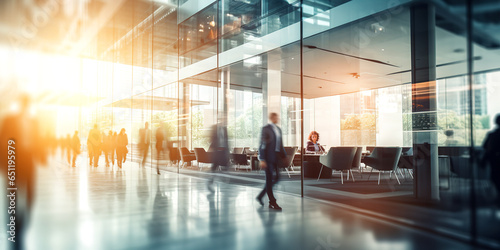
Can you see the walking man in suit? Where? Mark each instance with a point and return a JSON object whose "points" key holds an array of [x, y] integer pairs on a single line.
{"points": [[271, 153], [491, 147], [161, 145], [219, 148], [75, 146], [144, 142]]}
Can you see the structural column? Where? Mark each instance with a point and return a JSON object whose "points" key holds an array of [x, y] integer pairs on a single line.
{"points": [[184, 115], [272, 85], [224, 95], [424, 105]]}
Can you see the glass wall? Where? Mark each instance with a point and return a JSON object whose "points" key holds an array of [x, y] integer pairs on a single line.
{"points": [[379, 75]]}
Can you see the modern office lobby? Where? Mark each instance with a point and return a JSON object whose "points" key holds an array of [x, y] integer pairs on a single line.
{"points": [[144, 124]]}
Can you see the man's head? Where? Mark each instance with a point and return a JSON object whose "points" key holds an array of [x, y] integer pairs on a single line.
{"points": [[497, 120], [274, 118], [146, 125], [95, 125], [449, 133], [76, 132]]}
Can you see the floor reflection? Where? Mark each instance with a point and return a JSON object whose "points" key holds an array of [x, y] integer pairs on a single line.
{"points": [[133, 208]]}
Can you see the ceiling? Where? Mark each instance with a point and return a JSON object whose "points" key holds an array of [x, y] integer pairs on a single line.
{"points": [[333, 58], [107, 29]]}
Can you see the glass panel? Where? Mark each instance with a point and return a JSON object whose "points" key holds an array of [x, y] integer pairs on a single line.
{"points": [[198, 36], [486, 121], [246, 21]]}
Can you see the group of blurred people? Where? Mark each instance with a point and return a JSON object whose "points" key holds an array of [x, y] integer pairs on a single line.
{"points": [[112, 145], [71, 147]]}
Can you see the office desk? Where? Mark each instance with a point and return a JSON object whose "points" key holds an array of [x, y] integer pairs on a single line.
{"points": [[312, 167]]}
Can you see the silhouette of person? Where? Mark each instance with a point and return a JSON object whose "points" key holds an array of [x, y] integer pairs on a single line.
{"points": [[21, 132], [450, 141], [113, 147], [121, 148], [94, 145], [491, 147], [271, 152], [219, 148], [144, 142], [159, 224], [90, 152], [161, 145], [75, 146]]}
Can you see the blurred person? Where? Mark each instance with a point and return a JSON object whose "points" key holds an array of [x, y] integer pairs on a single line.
{"points": [[219, 147], [161, 145], [94, 144], [21, 131], [90, 152], [113, 148], [491, 147], [271, 153], [450, 141], [144, 142], [75, 146], [312, 145], [121, 147]]}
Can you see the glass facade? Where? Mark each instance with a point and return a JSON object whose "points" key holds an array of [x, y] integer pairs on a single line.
{"points": [[416, 75]]}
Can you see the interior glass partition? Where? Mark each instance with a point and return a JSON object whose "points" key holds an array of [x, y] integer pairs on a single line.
{"points": [[360, 80], [484, 89], [198, 37]]}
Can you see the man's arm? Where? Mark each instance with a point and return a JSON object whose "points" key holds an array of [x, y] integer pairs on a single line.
{"points": [[262, 147]]}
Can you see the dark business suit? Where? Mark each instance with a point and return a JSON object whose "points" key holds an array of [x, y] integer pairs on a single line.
{"points": [[492, 156], [219, 148], [272, 157]]}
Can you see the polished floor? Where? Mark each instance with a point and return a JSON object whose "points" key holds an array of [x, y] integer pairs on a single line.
{"points": [[134, 208]]}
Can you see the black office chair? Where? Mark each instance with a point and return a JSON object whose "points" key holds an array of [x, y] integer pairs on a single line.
{"points": [[186, 156], [356, 162], [202, 157], [405, 164], [338, 159], [384, 159], [288, 162], [240, 160], [174, 155]]}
